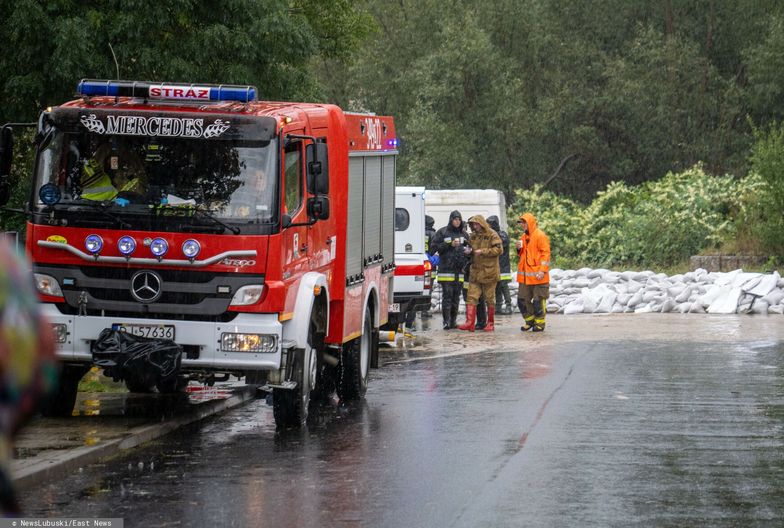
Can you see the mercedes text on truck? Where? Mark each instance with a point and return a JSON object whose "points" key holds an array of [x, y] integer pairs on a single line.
{"points": [[256, 237]]}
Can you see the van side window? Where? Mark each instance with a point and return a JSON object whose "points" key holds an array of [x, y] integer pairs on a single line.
{"points": [[293, 176], [402, 219]]}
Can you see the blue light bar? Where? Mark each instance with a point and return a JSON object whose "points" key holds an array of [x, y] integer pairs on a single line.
{"points": [[167, 91]]}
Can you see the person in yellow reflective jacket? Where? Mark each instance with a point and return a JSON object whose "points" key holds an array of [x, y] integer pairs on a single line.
{"points": [[96, 184], [533, 274], [128, 175]]}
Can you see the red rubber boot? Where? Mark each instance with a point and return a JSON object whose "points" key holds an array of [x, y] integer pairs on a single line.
{"points": [[490, 319], [470, 323]]}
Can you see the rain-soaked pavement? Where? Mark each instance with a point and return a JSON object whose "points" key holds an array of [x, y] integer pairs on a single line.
{"points": [[627, 420]]}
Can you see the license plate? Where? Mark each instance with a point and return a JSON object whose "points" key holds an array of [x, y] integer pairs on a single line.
{"points": [[394, 308], [153, 331]]}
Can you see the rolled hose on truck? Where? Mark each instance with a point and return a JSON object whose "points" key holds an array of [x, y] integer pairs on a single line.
{"points": [[139, 361]]}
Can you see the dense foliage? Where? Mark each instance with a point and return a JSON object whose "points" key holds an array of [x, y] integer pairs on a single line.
{"points": [[766, 221], [657, 223], [49, 45], [498, 93]]}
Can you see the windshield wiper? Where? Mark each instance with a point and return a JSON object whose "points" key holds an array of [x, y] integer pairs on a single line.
{"points": [[101, 208], [206, 214]]}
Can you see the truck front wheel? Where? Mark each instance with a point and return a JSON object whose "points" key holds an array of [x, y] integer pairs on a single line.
{"points": [[290, 406]]}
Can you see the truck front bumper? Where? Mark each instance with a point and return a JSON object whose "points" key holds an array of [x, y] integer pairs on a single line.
{"points": [[199, 336]]}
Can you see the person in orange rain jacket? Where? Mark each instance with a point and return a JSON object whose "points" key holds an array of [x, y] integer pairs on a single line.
{"points": [[533, 274]]}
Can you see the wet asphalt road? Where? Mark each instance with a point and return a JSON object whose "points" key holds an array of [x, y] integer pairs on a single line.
{"points": [[569, 428]]}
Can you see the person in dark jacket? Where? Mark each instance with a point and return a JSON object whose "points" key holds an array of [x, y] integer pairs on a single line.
{"points": [[449, 242], [430, 232], [502, 287]]}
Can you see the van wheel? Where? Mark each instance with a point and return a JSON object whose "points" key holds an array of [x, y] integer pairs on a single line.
{"points": [[356, 359], [61, 403]]}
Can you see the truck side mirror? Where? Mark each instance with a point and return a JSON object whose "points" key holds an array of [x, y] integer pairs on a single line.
{"points": [[6, 157], [318, 207], [318, 168]]}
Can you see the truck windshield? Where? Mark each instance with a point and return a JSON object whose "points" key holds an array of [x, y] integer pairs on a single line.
{"points": [[138, 177]]}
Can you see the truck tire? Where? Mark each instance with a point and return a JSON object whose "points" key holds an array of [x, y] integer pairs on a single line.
{"points": [[61, 403], [353, 381], [290, 406]]}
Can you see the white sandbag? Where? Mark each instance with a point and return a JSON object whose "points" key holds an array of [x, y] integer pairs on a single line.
{"points": [[599, 272], [696, 307], [677, 278], [645, 308], [683, 307], [684, 295], [774, 297], [699, 274], [726, 279], [607, 302], [643, 276], [667, 306], [780, 283], [633, 286], [635, 300], [689, 277], [766, 284], [759, 307], [618, 308], [676, 290], [556, 273], [726, 302], [709, 296], [778, 309], [582, 282], [628, 275], [623, 298], [582, 272], [574, 307], [653, 295], [612, 278]]}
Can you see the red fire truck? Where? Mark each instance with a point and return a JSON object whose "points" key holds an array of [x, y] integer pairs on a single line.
{"points": [[256, 236]]}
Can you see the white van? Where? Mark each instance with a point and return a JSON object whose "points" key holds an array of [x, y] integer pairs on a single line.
{"points": [[486, 202], [412, 284]]}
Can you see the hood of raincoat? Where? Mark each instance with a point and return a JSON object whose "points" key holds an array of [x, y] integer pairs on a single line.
{"points": [[530, 219], [493, 222], [479, 219]]}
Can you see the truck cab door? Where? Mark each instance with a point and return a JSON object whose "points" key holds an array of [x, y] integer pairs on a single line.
{"points": [[296, 245]]}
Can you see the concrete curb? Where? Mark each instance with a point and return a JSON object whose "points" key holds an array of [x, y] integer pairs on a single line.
{"points": [[70, 460]]}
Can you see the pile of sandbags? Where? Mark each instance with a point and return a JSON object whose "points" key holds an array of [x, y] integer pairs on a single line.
{"points": [[602, 291]]}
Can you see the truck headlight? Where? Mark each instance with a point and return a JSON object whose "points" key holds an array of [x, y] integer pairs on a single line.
{"points": [[247, 295], [47, 285], [248, 342]]}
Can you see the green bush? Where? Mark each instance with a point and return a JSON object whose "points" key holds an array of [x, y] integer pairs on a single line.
{"points": [[658, 223], [765, 214]]}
